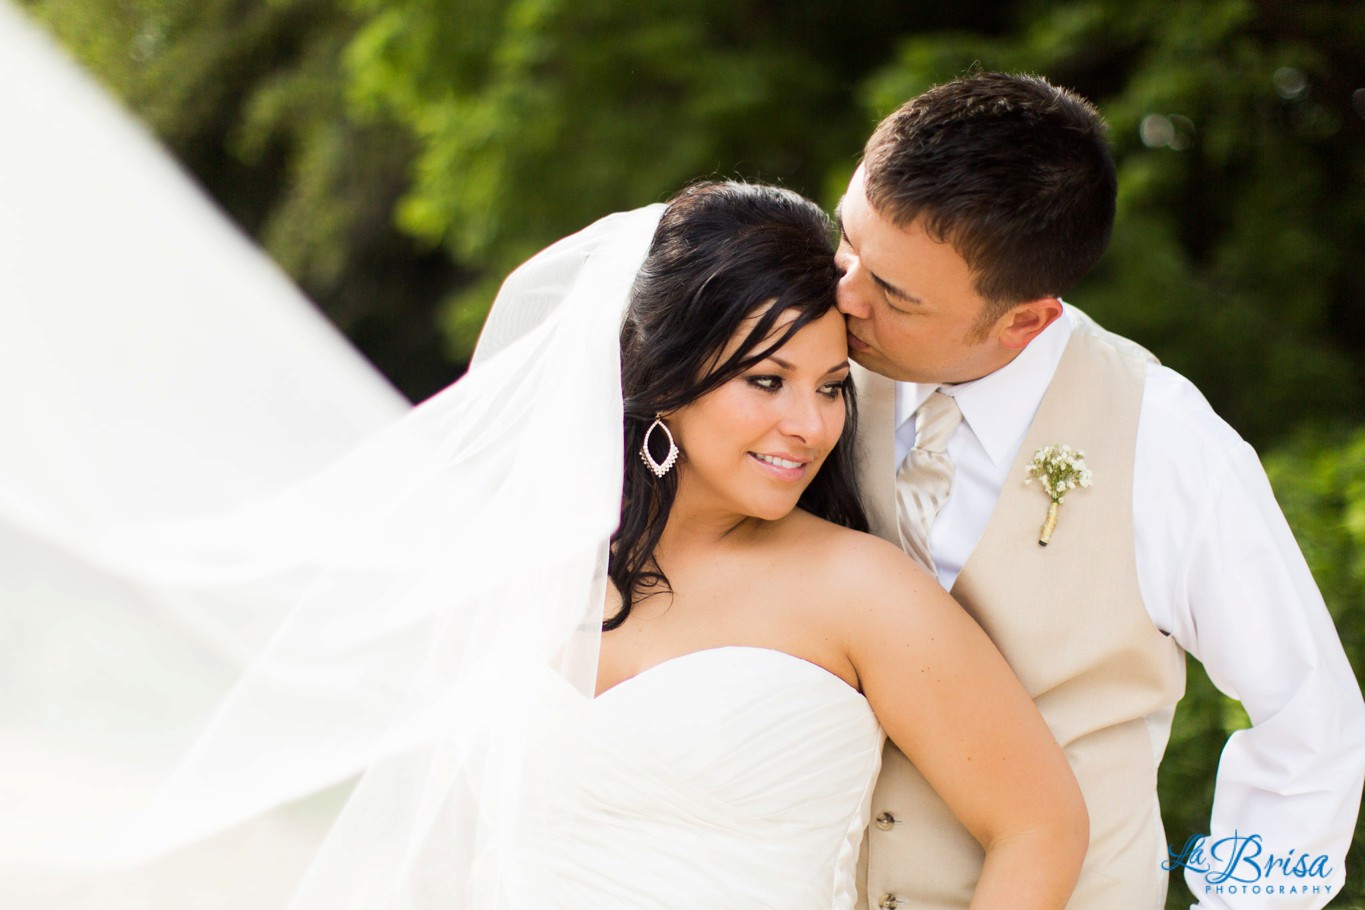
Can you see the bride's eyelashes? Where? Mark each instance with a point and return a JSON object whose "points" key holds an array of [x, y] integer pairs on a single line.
{"points": [[830, 390]]}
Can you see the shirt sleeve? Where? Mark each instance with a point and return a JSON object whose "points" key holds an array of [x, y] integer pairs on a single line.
{"points": [[1236, 593]]}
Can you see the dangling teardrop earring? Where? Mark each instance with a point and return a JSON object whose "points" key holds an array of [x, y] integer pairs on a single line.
{"points": [[659, 468]]}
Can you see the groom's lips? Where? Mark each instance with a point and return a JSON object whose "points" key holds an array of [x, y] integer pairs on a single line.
{"points": [[857, 344]]}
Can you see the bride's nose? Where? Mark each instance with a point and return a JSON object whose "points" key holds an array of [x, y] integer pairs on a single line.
{"points": [[805, 419]]}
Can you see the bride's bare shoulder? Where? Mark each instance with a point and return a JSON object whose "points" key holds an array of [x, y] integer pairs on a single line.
{"points": [[857, 562], [877, 598]]}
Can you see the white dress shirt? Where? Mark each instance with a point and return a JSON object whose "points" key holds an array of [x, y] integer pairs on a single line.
{"points": [[1220, 571]]}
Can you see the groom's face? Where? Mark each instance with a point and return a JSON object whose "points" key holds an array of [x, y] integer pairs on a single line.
{"points": [[911, 309]]}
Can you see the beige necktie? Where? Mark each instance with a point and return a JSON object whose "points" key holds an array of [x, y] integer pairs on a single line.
{"points": [[925, 477]]}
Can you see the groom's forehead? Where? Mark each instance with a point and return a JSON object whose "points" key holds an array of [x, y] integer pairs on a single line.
{"points": [[841, 207], [854, 192]]}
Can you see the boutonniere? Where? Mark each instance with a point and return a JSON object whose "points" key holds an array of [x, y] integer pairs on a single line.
{"points": [[1059, 469]]}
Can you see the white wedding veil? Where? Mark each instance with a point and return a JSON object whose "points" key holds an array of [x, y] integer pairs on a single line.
{"points": [[268, 637]]}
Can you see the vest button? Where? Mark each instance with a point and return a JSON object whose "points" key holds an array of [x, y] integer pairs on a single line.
{"points": [[888, 902], [885, 821]]}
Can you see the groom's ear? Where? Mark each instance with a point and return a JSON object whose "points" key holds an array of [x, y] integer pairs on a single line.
{"points": [[1025, 321]]}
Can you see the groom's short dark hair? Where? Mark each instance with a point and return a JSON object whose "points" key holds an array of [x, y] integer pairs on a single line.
{"points": [[1014, 172]]}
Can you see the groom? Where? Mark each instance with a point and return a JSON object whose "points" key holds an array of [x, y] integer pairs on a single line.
{"points": [[976, 205]]}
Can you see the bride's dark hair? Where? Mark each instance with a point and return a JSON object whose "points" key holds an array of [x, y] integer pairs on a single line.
{"points": [[722, 253]]}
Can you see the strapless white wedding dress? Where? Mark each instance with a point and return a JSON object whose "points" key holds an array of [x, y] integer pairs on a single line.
{"points": [[734, 777]]}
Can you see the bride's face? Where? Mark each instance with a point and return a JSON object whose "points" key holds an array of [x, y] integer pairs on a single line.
{"points": [[754, 444]]}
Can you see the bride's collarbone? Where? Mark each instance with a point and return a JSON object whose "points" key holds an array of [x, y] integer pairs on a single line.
{"points": [[781, 590], [785, 581], [721, 593], [717, 606]]}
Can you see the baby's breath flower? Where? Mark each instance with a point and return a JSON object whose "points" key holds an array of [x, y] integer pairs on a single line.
{"points": [[1058, 469]]}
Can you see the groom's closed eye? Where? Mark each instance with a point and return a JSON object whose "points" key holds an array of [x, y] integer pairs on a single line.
{"points": [[894, 293]]}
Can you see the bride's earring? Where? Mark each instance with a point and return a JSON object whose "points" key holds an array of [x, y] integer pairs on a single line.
{"points": [[659, 468]]}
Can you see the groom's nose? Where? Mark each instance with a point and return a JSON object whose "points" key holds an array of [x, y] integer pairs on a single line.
{"points": [[849, 297]]}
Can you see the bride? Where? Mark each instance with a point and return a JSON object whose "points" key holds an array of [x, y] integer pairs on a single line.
{"points": [[754, 636], [491, 657]]}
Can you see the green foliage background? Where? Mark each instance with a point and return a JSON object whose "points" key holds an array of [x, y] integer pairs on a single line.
{"points": [[398, 157]]}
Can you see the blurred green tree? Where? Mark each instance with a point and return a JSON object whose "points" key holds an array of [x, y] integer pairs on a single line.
{"points": [[485, 129], [534, 117]]}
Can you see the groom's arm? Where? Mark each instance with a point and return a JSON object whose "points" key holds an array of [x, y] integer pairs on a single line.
{"points": [[1240, 598]]}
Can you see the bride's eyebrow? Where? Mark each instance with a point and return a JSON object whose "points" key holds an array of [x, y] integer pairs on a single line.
{"points": [[787, 366]]}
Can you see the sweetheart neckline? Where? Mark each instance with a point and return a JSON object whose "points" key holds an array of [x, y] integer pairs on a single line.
{"points": [[684, 656]]}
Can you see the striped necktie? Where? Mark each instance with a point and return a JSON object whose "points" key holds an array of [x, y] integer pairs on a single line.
{"points": [[925, 477]]}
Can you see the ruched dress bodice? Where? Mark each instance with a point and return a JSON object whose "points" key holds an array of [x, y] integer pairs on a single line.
{"points": [[734, 777]]}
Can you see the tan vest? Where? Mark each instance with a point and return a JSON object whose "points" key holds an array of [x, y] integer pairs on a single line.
{"points": [[1070, 620]]}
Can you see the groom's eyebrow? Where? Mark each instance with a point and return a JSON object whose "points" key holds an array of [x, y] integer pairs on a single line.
{"points": [[893, 291]]}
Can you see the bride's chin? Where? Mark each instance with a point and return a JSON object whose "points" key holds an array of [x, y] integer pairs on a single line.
{"points": [[775, 511]]}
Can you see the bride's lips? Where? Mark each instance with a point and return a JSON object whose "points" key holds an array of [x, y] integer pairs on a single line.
{"points": [[779, 471]]}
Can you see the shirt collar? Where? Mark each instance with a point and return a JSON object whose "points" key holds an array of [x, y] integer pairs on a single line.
{"points": [[999, 407]]}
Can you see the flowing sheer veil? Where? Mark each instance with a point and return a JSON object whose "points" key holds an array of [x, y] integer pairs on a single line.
{"points": [[268, 637]]}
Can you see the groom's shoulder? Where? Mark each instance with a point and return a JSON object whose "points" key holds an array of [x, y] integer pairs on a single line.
{"points": [[1174, 406], [1181, 436], [1175, 416]]}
